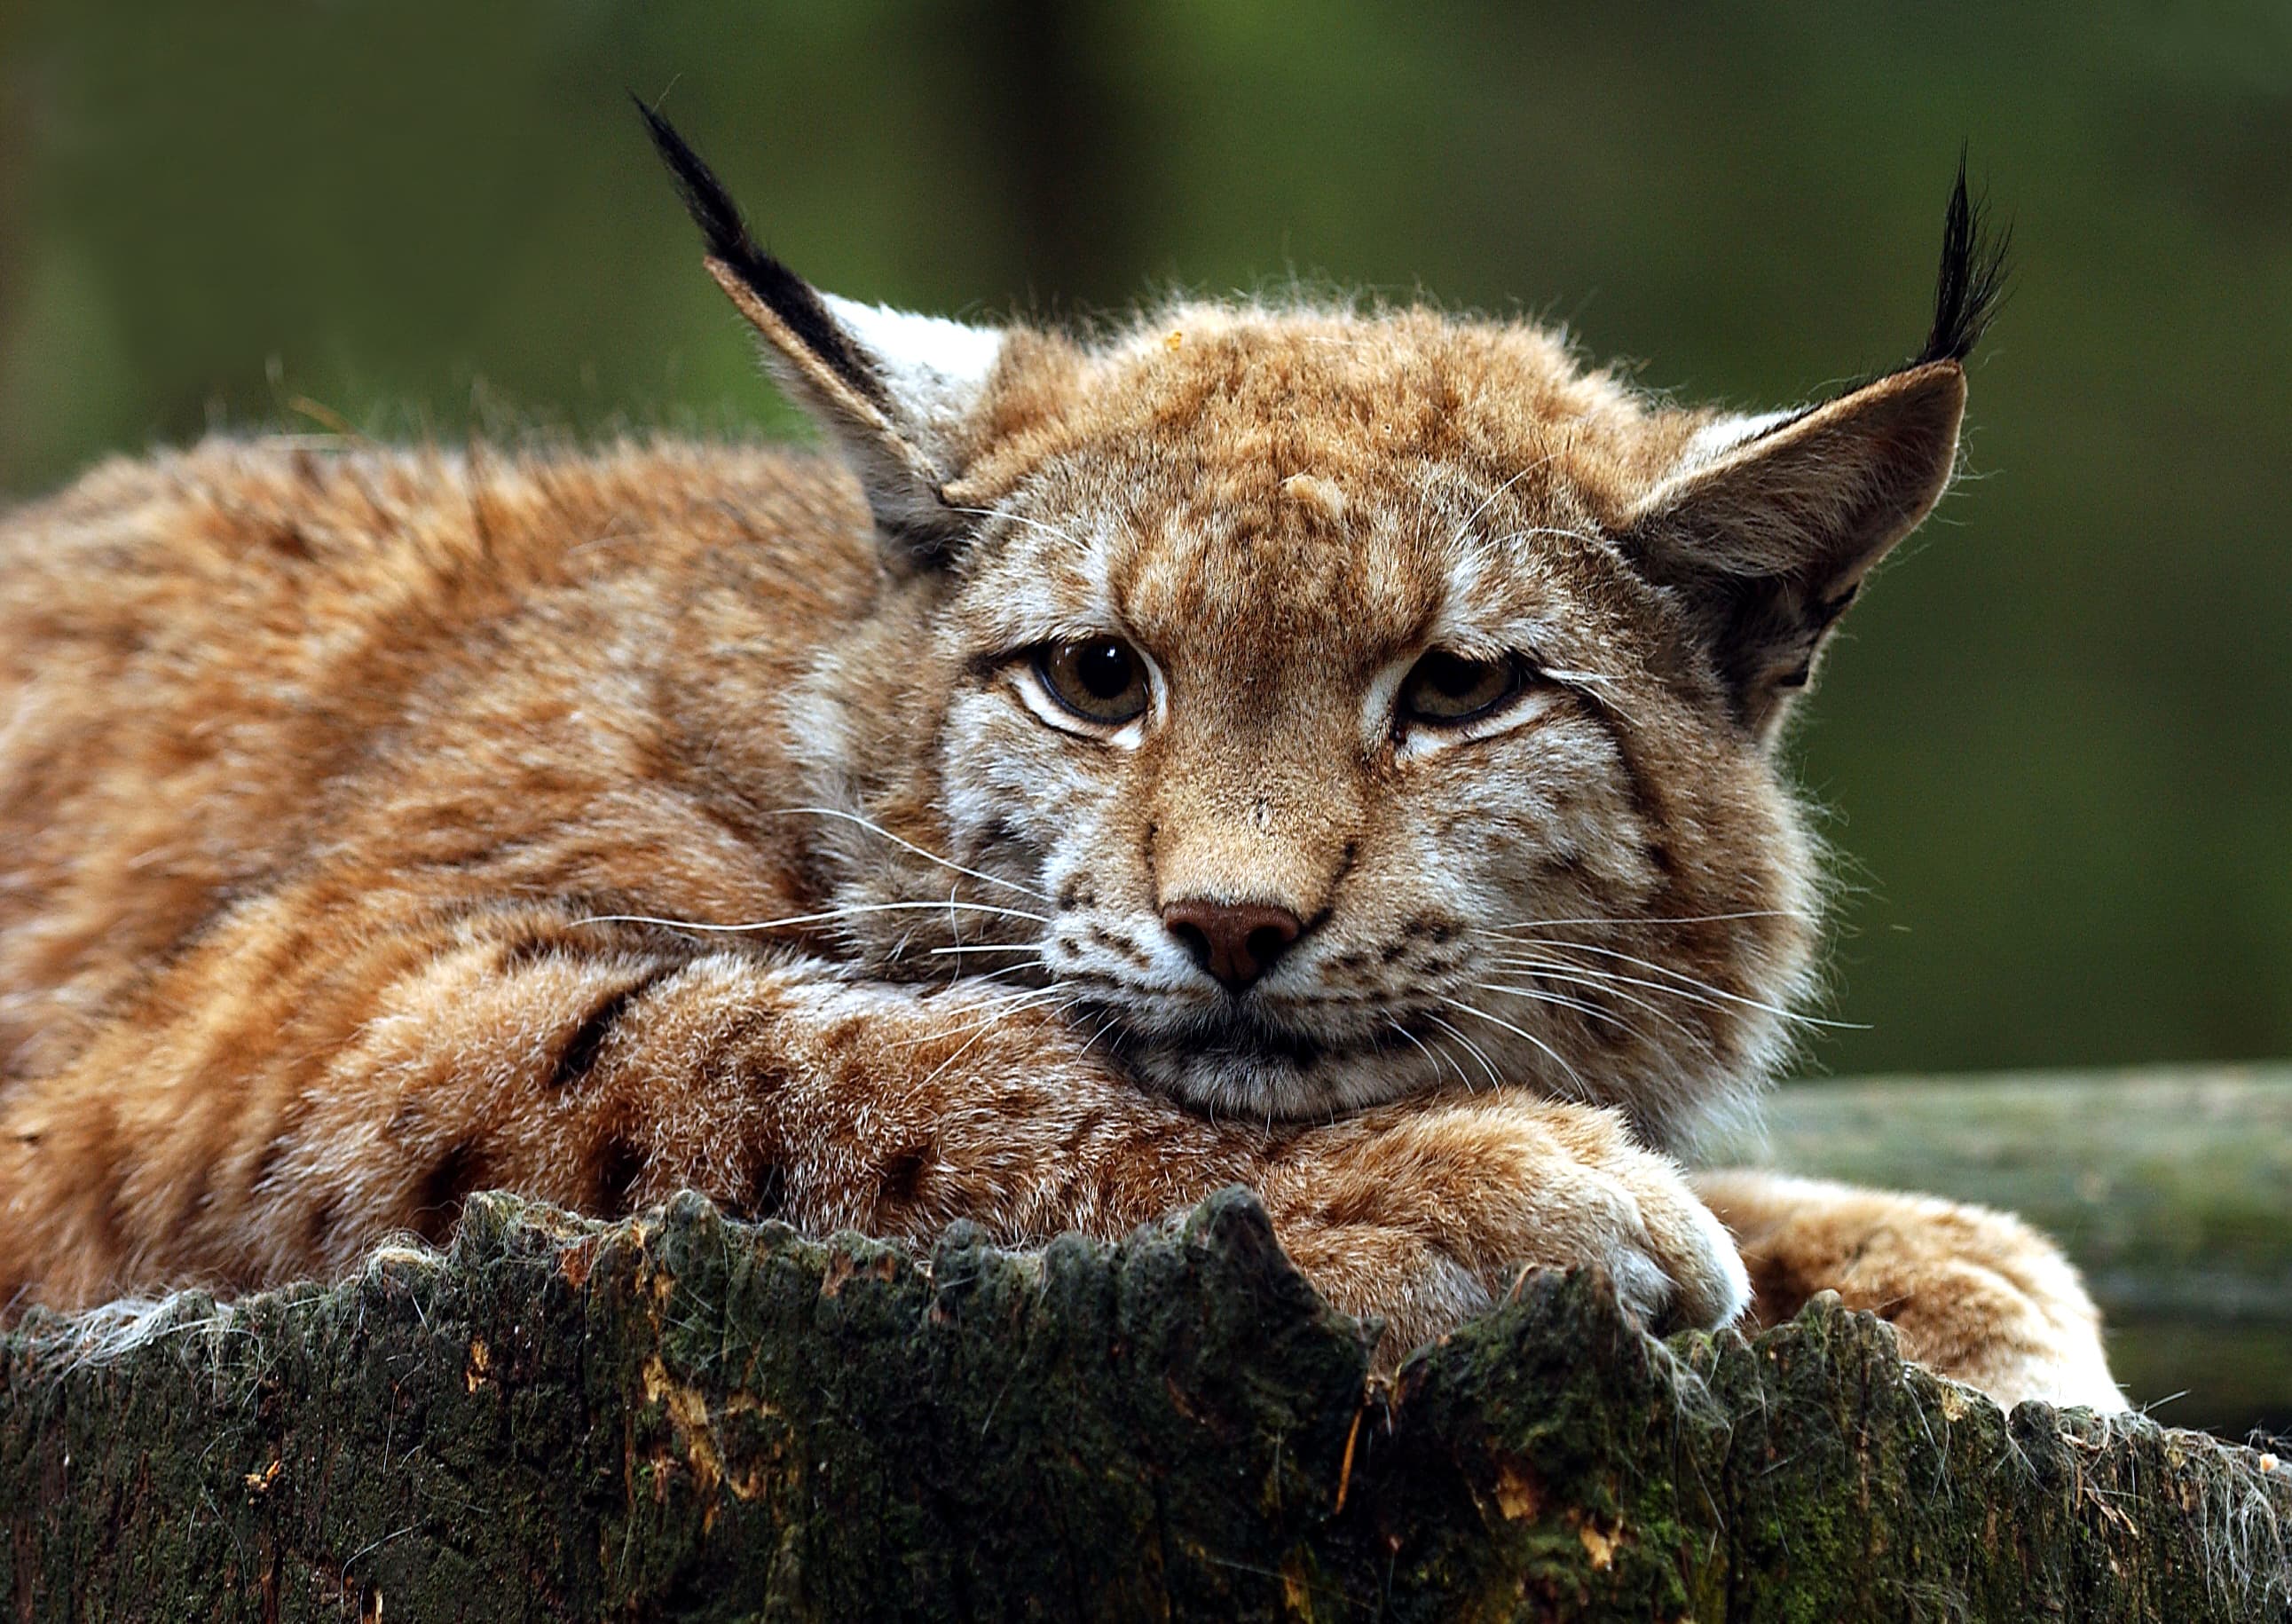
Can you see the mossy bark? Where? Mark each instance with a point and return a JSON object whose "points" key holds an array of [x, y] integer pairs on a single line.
{"points": [[681, 1417]]}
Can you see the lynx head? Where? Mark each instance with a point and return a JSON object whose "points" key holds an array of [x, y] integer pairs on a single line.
{"points": [[1321, 704]]}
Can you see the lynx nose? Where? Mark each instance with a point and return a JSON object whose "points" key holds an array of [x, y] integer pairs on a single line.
{"points": [[1235, 941]]}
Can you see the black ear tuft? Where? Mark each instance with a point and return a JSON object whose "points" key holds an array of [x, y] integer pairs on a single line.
{"points": [[1972, 281], [710, 206], [784, 294]]}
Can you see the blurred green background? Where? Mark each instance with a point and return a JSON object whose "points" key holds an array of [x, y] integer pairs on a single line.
{"points": [[2053, 745]]}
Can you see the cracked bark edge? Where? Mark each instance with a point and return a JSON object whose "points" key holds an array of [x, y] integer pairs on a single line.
{"points": [[680, 1415]]}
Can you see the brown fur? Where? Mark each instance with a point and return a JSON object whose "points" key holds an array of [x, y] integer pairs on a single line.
{"points": [[1976, 1293], [379, 827]]}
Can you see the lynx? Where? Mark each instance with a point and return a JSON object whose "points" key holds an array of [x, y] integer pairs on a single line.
{"points": [[1328, 749]]}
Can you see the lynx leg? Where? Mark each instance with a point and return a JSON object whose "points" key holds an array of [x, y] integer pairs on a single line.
{"points": [[271, 1111], [1975, 1294]]}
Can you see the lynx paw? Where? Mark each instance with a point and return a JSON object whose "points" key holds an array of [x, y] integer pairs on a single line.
{"points": [[1677, 1266], [1975, 1295], [1425, 1217]]}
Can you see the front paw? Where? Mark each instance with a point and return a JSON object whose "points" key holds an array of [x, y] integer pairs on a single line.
{"points": [[1630, 1211], [1426, 1214], [1974, 1293]]}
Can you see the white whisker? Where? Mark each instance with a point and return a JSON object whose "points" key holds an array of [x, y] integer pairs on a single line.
{"points": [[1009, 517], [1552, 1053], [1472, 1048], [1754, 913], [1601, 981], [1540, 996], [1552, 529], [1465, 528], [1441, 1053], [825, 916], [1106, 1024], [1596, 976], [998, 1010], [1543, 995], [1419, 1042], [967, 1045], [877, 828], [1678, 975], [994, 975]]}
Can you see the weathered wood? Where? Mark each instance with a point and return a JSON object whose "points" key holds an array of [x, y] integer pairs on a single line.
{"points": [[2172, 1189], [680, 1416]]}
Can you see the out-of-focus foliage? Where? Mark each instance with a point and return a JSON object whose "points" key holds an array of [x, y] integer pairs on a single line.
{"points": [[2057, 742]]}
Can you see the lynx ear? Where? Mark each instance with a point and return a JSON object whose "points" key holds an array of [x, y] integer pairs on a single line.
{"points": [[893, 390], [1768, 540], [1767, 526]]}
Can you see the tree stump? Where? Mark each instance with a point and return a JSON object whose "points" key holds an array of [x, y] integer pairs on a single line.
{"points": [[679, 1416]]}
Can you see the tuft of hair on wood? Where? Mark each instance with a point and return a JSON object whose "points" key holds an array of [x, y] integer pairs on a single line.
{"points": [[1971, 284]]}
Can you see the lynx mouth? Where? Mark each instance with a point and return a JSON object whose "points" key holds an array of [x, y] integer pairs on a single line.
{"points": [[1239, 1062]]}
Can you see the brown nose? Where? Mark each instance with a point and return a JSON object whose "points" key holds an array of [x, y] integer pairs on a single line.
{"points": [[1236, 942]]}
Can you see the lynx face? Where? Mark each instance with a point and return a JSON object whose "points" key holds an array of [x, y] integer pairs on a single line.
{"points": [[1320, 739], [1317, 705]]}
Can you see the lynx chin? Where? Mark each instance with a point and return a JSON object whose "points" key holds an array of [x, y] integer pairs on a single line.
{"points": [[1321, 748]]}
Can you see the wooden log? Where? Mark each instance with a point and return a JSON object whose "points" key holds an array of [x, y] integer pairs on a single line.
{"points": [[2171, 1189], [680, 1416]]}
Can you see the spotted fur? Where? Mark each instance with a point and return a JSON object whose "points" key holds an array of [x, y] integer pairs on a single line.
{"points": [[378, 826]]}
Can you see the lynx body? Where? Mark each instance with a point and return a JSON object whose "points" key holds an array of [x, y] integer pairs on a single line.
{"points": [[1321, 749]]}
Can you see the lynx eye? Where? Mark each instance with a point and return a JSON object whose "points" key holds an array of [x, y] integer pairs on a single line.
{"points": [[1446, 689], [1101, 680]]}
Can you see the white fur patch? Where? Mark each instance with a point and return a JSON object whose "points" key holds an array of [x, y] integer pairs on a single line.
{"points": [[1714, 441], [935, 367]]}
